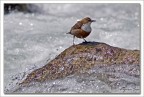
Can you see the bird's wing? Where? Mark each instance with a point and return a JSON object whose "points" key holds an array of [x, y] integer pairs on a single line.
{"points": [[77, 32], [78, 25]]}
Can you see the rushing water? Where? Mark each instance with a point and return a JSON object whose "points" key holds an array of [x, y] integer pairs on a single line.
{"points": [[33, 39]]}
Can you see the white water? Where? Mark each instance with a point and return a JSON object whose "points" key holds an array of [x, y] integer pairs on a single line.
{"points": [[32, 40]]}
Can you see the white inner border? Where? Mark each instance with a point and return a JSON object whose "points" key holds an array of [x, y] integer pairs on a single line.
{"points": [[106, 95]]}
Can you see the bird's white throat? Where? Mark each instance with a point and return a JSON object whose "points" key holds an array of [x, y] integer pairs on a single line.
{"points": [[86, 27]]}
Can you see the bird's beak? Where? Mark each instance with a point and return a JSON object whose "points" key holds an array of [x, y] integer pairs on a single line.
{"points": [[93, 20]]}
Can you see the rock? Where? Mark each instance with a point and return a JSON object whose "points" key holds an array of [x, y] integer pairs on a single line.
{"points": [[81, 57], [15, 7]]}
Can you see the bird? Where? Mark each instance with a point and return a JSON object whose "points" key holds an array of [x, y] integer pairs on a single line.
{"points": [[82, 28]]}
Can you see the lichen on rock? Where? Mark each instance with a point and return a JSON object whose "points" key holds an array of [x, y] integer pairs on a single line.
{"points": [[81, 57]]}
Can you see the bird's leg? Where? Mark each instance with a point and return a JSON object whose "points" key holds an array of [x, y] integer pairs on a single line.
{"points": [[73, 39], [84, 40]]}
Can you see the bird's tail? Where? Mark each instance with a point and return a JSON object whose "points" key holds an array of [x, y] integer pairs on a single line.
{"points": [[68, 33]]}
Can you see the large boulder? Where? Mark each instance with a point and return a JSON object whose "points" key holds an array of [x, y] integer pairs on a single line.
{"points": [[81, 57]]}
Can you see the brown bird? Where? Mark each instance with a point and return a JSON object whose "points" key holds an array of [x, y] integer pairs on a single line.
{"points": [[82, 28]]}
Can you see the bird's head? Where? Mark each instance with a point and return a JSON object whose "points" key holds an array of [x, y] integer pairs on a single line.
{"points": [[87, 20]]}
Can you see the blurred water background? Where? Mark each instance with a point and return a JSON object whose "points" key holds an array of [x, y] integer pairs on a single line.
{"points": [[35, 36]]}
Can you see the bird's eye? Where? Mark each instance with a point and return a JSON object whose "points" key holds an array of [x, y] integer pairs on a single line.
{"points": [[89, 19]]}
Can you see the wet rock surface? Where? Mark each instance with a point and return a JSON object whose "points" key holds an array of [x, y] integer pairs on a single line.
{"points": [[122, 78], [80, 58]]}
